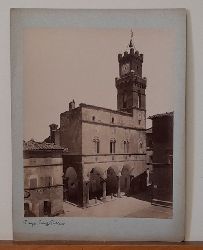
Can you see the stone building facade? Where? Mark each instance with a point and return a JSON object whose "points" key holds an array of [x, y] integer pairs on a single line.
{"points": [[107, 148], [43, 179], [149, 158], [162, 138]]}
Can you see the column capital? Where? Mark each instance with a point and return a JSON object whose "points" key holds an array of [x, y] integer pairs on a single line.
{"points": [[86, 177], [104, 176], [119, 174]]}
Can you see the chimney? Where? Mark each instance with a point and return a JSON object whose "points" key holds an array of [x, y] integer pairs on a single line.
{"points": [[71, 105], [53, 129]]}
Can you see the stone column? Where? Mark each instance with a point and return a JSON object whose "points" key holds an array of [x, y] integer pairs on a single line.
{"points": [[104, 190], [86, 189], [119, 186], [66, 189], [87, 193]]}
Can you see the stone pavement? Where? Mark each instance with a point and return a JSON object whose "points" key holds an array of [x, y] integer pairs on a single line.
{"points": [[119, 207]]}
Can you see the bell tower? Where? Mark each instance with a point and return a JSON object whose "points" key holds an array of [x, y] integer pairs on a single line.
{"points": [[130, 84]]}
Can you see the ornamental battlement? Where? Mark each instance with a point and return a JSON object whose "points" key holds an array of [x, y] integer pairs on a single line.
{"points": [[131, 76], [130, 54]]}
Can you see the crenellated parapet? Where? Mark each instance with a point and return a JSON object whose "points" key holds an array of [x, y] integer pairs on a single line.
{"points": [[132, 54], [130, 78]]}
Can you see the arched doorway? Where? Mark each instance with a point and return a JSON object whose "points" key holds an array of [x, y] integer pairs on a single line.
{"points": [[95, 184], [111, 182], [125, 180], [71, 185], [138, 181]]}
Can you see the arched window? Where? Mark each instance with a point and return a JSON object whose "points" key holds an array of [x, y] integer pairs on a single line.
{"points": [[112, 120], [125, 100], [96, 145], [140, 145], [126, 146], [112, 146], [93, 118]]}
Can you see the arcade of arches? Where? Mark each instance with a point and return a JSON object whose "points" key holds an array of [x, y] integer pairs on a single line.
{"points": [[101, 183]]}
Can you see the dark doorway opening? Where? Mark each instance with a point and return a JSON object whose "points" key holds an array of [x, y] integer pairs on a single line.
{"points": [[47, 208], [71, 192], [26, 209], [95, 188], [111, 182]]}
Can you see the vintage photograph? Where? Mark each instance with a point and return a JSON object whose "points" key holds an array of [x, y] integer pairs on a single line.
{"points": [[98, 122]]}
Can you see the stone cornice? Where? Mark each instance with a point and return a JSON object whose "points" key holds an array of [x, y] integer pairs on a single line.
{"points": [[87, 155], [44, 165], [105, 109], [113, 125], [47, 187]]}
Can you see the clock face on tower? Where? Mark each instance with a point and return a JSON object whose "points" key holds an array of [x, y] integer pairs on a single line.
{"points": [[125, 68]]}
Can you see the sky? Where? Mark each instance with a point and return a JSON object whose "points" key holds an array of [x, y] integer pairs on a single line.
{"points": [[62, 64]]}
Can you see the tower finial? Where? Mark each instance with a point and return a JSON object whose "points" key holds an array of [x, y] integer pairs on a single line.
{"points": [[131, 33], [131, 45]]}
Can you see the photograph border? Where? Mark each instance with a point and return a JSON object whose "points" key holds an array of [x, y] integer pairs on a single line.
{"points": [[95, 229]]}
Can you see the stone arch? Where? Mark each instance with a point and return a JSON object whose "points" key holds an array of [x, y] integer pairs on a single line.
{"points": [[125, 179], [71, 192], [112, 180], [116, 168], [138, 179], [96, 176]]}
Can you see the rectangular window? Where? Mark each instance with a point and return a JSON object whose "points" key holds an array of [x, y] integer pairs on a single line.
{"points": [[26, 206], [47, 208], [33, 182], [127, 147], [46, 181], [114, 147], [125, 100], [97, 147], [139, 118], [139, 100], [111, 147]]}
